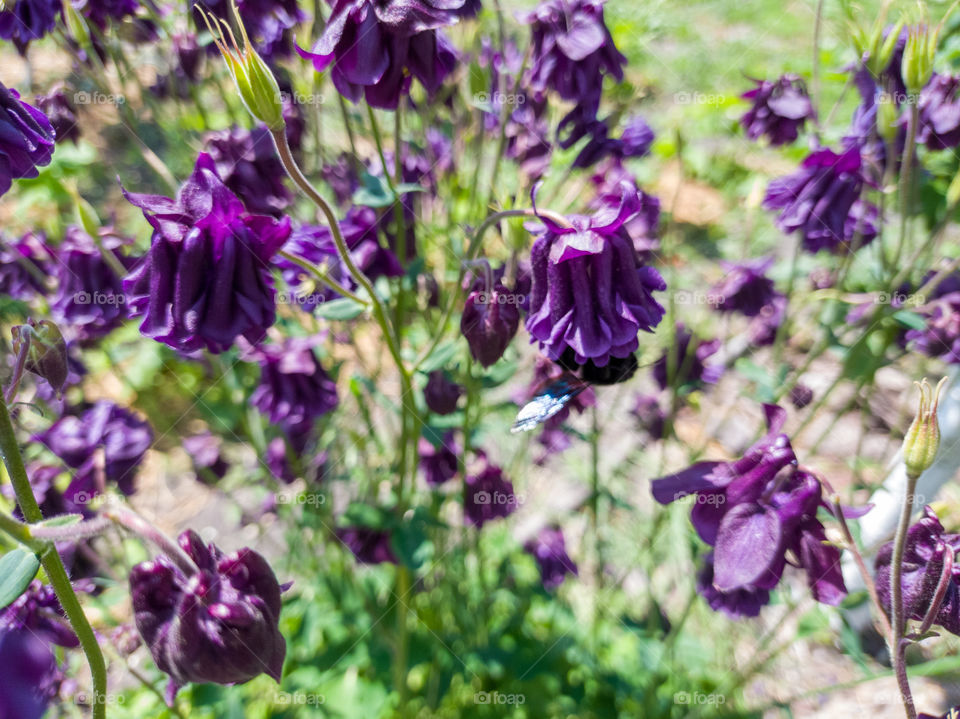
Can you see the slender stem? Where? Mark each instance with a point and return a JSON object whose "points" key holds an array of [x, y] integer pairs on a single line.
{"points": [[322, 277], [52, 564], [945, 576], [817, 32], [906, 179], [897, 650], [595, 514], [18, 530], [132, 521]]}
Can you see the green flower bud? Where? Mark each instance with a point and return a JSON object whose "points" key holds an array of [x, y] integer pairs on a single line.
{"points": [[255, 82], [888, 118], [918, 55], [46, 351], [922, 440]]}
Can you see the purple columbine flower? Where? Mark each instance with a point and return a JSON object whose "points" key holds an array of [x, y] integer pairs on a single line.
{"points": [[763, 328], [745, 288], [491, 316], [528, 138], [377, 47], [941, 336], [294, 388], [24, 266], [689, 368], [822, 201], [208, 462], [572, 51], [438, 462], [277, 460], [779, 109], [247, 163], [26, 20], [101, 12], [752, 511], [928, 555], [635, 141], [58, 106], [38, 611], [736, 603], [939, 107], [206, 279], [29, 677], [369, 546], [550, 552], [90, 297], [209, 616], [441, 393], [487, 495], [26, 139], [591, 293], [644, 226], [104, 444]]}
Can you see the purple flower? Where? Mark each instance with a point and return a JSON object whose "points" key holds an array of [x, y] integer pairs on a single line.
{"points": [[206, 279], [208, 462], [90, 297], [26, 20], [24, 266], [736, 603], [29, 670], [927, 550], [528, 138], [277, 461], [342, 178], [377, 47], [369, 546], [591, 294], [572, 51], [745, 287], [189, 55], [762, 329], [635, 141], [438, 462], [247, 163], [801, 396], [441, 394], [643, 227], [649, 415], [294, 389], [752, 515], [487, 495], [550, 552], [214, 620], [26, 139], [939, 107], [38, 610], [269, 23], [491, 316], [101, 12], [779, 109], [941, 336], [104, 444], [822, 201], [688, 367], [60, 110]]}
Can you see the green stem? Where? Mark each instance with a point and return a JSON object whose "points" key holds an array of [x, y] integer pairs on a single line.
{"points": [[906, 180], [52, 564], [899, 622], [322, 277]]}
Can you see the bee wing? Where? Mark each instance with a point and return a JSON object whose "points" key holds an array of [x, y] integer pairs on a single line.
{"points": [[547, 403]]}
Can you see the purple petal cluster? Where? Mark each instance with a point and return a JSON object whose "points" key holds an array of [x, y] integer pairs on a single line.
{"points": [[649, 415], [58, 106], [24, 266], [747, 289], [23, 21], [550, 553], [690, 361], [822, 202], [441, 393], [941, 335], [753, 511], [491, 316], [487, 495], [294, 389], [214, 620], [438, 462], [248, 164], [206, 279], [29, 671], [369, 546], [377, 47], [591, 293], [208, 462], [38, 611], [635, 141], [939, 106], [778, 111], [643, 227], [26, 139]]}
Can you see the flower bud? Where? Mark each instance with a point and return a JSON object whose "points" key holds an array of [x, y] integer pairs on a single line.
{"points": [[918, 55], [255, 82], [46, 351], [888, 119], [922, 440]]}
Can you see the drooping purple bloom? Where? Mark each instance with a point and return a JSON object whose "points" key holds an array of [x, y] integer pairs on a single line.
{"points": [[23, 21], [208, 462], [189, 55], [925, 554], [441, 393], [377, 47], [644, 226], [550, 552], [247, 163], [779, 109], [206, 278], [572, 51], [635, 141], [491, 316], [591, 294], [438, 458], [528, 138], [26, 139], [939, 107], [488, 495], [294, 389], [90, 298], [736, 603], [689, 367], [941, 310], [745, 288], [104, 444], [763, 328], [369, 546], [101, 12], [753, 511], [29, 672], [215, 621], [24, 266], [38, 610], [57, 105], [822, 201], [801, 395]]}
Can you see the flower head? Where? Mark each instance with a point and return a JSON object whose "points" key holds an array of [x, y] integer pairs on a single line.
{"points": [[369, 546], [23, 21], [213, 621], [487, 495], [24, 266], [206, 278], [550, 552], [922, 441], [491, 317], [939, 107], [779, 110], [208, 462], [57, 105], [745, 287], [247, 163], [26, 139], [438, 459], [441, 394], [688, 367]]}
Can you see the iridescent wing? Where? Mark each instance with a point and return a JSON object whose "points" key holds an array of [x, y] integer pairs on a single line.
{"points": [[550, 400]]}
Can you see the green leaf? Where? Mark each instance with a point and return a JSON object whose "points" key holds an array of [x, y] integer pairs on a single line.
{"points": [[439, 357], [910, 319], [18, 567], [342, 309]]}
